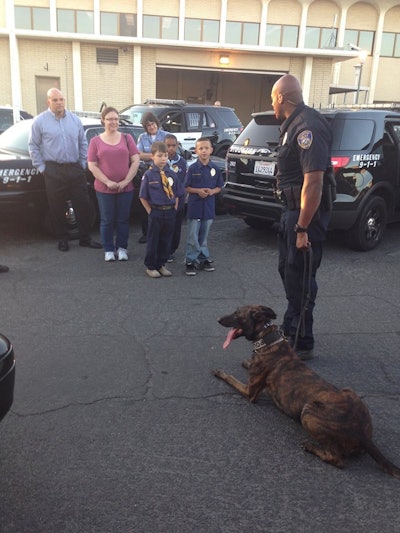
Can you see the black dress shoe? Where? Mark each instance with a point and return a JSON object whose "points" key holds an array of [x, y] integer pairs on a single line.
{"points": [[90, 244], [4, 268], [63, 246], [143, 239]]}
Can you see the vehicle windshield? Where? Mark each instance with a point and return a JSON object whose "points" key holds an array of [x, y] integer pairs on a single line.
{"points": [[16, 137], [136, 112]]}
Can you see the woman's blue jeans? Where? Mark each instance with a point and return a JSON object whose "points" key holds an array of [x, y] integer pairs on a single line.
{"points": [[115, 211]]}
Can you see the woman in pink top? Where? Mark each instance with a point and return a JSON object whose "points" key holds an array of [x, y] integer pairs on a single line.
{"points": [[113, 159]]}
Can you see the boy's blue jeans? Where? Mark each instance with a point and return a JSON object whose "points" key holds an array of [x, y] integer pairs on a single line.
{"points": [[196, 244], [115, 211]]}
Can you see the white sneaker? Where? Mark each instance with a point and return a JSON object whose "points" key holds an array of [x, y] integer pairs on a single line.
{"points": [[122, 254], [153, 273], [109, 256], [165, 272]]}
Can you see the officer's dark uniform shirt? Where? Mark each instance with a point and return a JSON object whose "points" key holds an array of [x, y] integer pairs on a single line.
{"points": [[304, 146], [201, 176], [151, 188]]}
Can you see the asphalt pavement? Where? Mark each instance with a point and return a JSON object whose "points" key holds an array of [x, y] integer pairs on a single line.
{"points": [[118, 424]]}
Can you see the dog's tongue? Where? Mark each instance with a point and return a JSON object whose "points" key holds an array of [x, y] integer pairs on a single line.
{"points": [[229, 338]]}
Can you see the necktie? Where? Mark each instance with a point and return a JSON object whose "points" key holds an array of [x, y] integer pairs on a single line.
{"points": [[166, 185]]}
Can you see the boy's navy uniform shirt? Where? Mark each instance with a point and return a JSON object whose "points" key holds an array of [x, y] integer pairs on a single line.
{"points": [[179, 166], [151, 188], [201, 176]]}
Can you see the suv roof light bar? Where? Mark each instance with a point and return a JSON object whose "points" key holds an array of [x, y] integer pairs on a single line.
{"points": [[391, 105], [88, 114], [96, 114], [163, 101]]}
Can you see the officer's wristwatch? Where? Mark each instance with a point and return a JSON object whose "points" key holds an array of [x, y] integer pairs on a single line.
{"points": [[299, 229]]}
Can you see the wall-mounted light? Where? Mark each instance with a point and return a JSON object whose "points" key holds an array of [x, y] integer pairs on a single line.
{"points": [[224, 60]]}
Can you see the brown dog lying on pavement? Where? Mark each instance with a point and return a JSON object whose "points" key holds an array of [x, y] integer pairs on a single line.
{"points": [[338, 421]]}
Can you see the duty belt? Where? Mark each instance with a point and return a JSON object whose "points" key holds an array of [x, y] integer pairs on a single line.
{"points": [[289, 197]]}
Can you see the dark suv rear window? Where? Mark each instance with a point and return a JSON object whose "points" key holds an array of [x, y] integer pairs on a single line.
{"points": [[352, 134], [262, 131]]}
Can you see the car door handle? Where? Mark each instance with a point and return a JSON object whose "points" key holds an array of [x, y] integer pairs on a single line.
{"points": [[189, 139]]}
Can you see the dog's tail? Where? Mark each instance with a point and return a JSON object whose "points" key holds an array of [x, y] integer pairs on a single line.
{"points": [[384, 463]]}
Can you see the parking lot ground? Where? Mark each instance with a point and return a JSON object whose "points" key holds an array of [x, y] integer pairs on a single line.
{"points": [[118, 424]]}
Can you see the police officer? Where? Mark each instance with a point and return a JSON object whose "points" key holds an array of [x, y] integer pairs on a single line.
{"points": [[303, 157]]}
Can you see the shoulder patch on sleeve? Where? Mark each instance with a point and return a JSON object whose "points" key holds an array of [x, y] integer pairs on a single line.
{"points": [[305, 139]]}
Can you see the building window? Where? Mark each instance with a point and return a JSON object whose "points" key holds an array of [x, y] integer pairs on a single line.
{"points": [[75, 21], [160, 27], [390, 46], [123, 24], [202, 30], [320, 37], [32, 18], [280, 35], [361, 38], [242, 32]]}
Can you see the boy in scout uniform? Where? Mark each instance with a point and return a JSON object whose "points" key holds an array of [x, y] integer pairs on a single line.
{"points": [[159, 193]]}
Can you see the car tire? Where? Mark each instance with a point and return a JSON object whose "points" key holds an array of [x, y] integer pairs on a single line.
{"points": [[370, 227], [221, 151], [73, 231]]}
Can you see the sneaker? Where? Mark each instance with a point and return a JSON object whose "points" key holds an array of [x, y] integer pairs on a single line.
{"points": [[109, 256], [165, 272], [170, 259], [122, 254], [153, 273], [305, 355], [190, 269], [206, 265]]}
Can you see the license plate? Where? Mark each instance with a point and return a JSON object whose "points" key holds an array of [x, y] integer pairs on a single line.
{"points": [[264, 168]]}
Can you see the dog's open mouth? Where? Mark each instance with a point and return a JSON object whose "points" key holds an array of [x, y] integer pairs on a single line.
{"points": [[233, 333]]}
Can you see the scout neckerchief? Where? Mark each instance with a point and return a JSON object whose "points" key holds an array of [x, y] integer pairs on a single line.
{"points": [[167, 186]]}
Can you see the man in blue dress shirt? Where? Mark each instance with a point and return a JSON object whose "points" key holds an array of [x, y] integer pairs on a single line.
{"points": [[58, 146]]}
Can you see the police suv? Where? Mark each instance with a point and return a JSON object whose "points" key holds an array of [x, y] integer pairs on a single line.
{"points": [[188, 122], [366, 163]]}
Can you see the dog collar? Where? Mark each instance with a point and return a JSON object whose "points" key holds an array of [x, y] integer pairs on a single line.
{"points": [[267, 340]]}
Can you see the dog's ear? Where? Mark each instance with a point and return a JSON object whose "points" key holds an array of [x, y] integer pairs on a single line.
{"points": [[266, 313]]}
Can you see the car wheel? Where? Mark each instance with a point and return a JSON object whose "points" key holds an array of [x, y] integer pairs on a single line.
{"points": [[7, 375], [72, 226], [221, 151], [370, 227]]}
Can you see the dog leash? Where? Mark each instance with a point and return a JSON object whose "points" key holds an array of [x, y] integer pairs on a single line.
{"points": [[305, 296]]}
